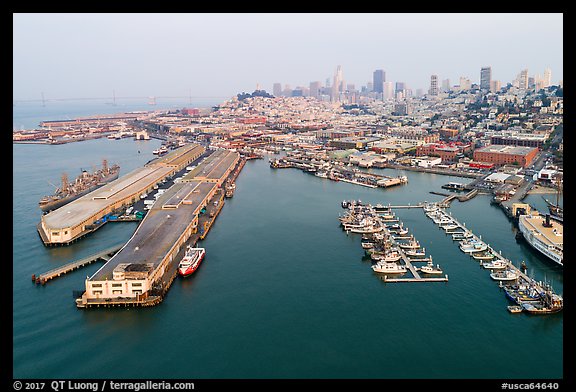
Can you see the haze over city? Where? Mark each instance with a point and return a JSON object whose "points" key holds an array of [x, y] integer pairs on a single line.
{"points": [[220, 55]]}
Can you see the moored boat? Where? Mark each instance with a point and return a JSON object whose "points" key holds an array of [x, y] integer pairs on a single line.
{"points": [[496, 265], [191, 260], [429, 268], [504, 275], [388, 268]]}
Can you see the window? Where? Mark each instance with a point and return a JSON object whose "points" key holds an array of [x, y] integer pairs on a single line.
{"points": [[116, 284], [96, 284], [116, 291], [96, 292], [136, 284]]}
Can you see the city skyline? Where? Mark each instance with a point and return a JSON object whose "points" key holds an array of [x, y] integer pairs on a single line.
{"points": [[220, 55]]}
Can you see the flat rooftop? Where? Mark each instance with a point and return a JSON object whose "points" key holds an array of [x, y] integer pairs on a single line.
{"points": [[83, 208], [160, 228], [513, 150], [213, 167]]}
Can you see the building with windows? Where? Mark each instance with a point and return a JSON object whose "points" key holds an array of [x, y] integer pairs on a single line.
{"points": [[433, 85], [501, 155], [378, 79], [485, 78]]}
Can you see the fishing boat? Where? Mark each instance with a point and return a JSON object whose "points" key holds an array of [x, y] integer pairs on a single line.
{"points": [[504, 275], [412, 244], [515, 308], [388, 268], [416, 253], [191, 260], [430, 269], [495, 265], [389, 256], [468, 246], [450, 227], [486, 255], [522, 293]]}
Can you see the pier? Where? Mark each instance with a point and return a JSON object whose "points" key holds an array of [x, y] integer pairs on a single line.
{"points": [[439, 215], [56, 272], [141, 273]]}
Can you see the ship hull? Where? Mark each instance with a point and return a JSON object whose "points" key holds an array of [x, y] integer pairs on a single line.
{"points": [[52, 205], [537, 245]]}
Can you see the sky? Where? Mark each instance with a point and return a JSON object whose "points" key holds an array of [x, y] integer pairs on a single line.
{"points": [[221, 54]]}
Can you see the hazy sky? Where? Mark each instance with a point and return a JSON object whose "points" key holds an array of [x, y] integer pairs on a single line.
{"points": [[91, 55]]}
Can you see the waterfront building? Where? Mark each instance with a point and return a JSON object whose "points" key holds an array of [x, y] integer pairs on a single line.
{"points": [[85, 214], [501, 155], [357, 142], [485, 78]]}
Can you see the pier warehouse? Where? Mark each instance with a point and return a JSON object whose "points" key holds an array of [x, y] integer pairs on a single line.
{"points": [[503, 154], [85, 214], [137, 272]]}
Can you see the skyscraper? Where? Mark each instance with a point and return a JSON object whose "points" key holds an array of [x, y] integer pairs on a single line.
{"points": [[400, 86], [336, 86], [388, 90], [315, 89], [379, 79], [433, 85], [547, 78], [446, 85], [277, 89], [523, 79], [485, 78]]}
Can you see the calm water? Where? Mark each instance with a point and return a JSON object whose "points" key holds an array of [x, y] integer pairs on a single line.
{"points": [[283, 291]]}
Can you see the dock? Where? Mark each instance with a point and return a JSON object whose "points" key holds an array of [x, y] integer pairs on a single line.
{"points": [[103, 255]]}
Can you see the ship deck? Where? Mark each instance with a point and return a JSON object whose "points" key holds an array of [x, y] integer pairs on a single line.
{"points": [[553, 235]]}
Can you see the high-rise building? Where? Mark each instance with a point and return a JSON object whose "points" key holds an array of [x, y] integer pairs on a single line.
{"points": [[315, 89], [388, 90], [523, 79], [547, 82], [379, 79], [531, 82], [433, 85], [336, 86], [495, 86], [277, 89], [446, 85], [465, 83], [400, 86], [485, 78]]}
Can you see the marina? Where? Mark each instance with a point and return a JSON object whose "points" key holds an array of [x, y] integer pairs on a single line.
{"points": [[387, 249]]}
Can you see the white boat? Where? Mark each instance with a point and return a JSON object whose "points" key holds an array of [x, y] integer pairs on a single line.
{"points": [[191, 260], [390, 256], [544, 234], [450, 227], [496, 265], [430, 269], [504, 275], [412, 244], [388, 268], [416, 253], [472, 246]]}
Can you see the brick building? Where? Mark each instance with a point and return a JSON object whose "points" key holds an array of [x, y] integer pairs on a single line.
{"points": [[501, 155]]}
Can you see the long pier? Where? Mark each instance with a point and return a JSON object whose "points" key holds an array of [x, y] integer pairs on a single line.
{"points": [[56, 272]]}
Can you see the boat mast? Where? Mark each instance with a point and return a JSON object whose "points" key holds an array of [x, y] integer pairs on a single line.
{"points": [[64, 182]]}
